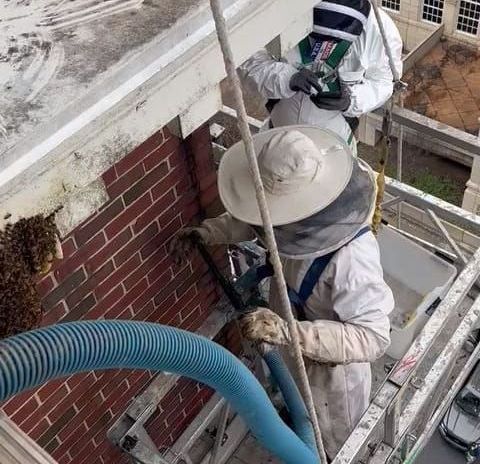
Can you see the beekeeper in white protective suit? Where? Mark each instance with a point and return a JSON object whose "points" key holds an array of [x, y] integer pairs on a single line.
{"points": [[336, 74], [320, 199]]}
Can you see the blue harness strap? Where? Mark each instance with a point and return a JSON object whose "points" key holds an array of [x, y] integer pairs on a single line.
{"points": [[254, 276], [311, 278]]}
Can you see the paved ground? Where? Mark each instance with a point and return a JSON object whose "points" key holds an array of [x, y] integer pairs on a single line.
{"points": [[445, 86], [439, 452]]}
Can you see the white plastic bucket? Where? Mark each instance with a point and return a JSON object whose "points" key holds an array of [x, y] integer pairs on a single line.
{"points": [[418, 279]]}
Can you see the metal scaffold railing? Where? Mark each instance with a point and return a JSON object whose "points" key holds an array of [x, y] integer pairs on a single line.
{"points": [[384, 434]]}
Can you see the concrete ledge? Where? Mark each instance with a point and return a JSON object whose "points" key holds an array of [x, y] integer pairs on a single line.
{"points": [[176, 70], [17, 448], [423, 48], [200, 111], [425, 133]]}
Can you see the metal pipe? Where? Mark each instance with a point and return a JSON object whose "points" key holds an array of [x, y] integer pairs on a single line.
{"points": [[423, 200], [431, 383], [434, 376], [221, 427], [447, 236], [400, 165], [431, 380], [392, 202]]}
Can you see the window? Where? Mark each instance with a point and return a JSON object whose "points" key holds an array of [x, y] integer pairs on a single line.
{"points": [[393, 5], [468, 16], [433, 11]]}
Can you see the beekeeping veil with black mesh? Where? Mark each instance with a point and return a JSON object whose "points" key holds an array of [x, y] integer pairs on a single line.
{"points": [[335, 225]]}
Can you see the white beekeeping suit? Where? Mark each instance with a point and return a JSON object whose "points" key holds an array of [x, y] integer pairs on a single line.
{"points": [[363, 70], [320, 198]]}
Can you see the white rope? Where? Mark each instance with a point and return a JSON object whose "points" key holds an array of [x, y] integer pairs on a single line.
{"points": [[267, 223], [398, 89]]}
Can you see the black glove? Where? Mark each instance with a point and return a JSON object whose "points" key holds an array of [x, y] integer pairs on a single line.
{"points": [[339, 102], [304, 80]]}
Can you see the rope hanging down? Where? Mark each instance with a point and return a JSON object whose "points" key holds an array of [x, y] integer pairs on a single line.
{"points": [[388, 50], [384, 149], [267, 223]]}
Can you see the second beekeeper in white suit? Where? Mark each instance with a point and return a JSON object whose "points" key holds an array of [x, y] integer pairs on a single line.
{"points": [[335, 75]]}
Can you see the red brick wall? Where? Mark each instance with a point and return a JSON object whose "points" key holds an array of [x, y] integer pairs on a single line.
{"points": [[116, 266]]}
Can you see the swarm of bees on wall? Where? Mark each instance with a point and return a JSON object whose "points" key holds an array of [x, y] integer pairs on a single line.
{"points": [[27, 249]]}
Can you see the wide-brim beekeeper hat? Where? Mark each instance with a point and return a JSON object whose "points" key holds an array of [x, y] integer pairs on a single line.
{"points": [[318, 194]]}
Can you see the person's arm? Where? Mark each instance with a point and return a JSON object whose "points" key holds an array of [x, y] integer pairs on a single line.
{"points": [[376, 87], [361, 337], [225, 229], [270, 77], [361, 300]]}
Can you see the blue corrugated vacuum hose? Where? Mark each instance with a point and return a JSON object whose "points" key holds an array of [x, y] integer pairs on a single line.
{"points": [[297, 410], [32, 358]]}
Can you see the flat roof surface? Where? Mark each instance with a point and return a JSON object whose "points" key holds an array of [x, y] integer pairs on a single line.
{"points": [[52, 52]]}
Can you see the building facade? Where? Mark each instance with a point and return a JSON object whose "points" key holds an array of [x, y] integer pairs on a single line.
{"points": [[416, 19], [116, 266]]}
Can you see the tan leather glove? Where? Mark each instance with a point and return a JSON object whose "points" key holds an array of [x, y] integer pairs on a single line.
{"points": [[264, 325], [181, 245]]}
